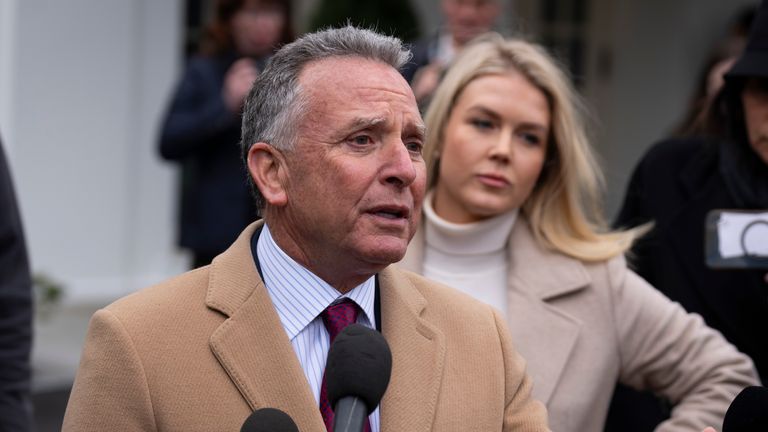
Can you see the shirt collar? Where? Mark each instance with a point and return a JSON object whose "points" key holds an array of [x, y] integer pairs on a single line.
{"points": [[299, 296]]}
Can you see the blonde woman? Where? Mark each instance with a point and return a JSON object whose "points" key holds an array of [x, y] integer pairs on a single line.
{"points": [[512, 218]]}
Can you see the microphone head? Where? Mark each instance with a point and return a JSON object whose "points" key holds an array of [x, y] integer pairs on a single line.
{"points": [[359, 364], [748, 412], [269, 420]]}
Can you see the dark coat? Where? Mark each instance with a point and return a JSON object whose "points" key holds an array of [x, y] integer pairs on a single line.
{"points": [[675, 185], [15, 312], [201, 133]]}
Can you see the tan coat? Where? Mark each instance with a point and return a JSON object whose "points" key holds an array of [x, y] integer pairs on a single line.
{"points": [[583, 327], [201, 351]]}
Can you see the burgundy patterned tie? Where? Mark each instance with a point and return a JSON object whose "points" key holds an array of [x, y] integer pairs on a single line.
{"points": [[335, 318]]}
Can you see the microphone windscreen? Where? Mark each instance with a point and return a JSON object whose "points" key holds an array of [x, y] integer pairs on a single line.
{"points": [[269, 420], [748, 411], [359, 364]]}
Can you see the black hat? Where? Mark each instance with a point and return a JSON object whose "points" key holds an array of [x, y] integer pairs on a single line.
{"points": [[753, 62]]}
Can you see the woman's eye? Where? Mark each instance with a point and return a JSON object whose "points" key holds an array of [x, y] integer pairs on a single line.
{"points": [[481, 124], [530, 138]]}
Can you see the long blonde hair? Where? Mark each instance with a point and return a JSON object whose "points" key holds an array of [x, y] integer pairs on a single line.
{"points": [[564, 207]]}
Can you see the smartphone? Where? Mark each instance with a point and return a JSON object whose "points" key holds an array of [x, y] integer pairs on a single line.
{"points": [[736, 239]]}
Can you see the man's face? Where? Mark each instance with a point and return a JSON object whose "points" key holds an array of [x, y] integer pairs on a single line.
{"points": [[469, 18], [755, 101], [356, 178]]}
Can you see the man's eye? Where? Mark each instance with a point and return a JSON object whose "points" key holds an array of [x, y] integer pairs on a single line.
{"points": [[415, 147], [362, 140]]}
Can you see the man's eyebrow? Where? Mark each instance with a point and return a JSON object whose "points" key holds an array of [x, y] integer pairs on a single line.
{"points": [[362, 123], [359, 123], [421, 129], [416, 129]]}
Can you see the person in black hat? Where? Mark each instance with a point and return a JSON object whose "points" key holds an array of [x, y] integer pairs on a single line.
{"points": [[679, 181]]}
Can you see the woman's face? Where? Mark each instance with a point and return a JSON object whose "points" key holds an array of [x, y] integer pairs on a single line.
{"points": [[755, 101], [257, 27], [494, 146]]}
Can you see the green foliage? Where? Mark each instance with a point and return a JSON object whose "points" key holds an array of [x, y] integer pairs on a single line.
{"points": [[48, 294], [390, 17]]}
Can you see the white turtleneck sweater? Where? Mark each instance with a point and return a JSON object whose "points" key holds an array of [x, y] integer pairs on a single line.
{"points": [[472, 257]]}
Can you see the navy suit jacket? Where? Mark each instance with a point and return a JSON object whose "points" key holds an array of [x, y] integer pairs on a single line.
{"points": [[203, 135]]}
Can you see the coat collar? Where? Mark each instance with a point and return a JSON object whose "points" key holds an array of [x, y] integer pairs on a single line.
{"points": [[545, 274], [251, 344], [253, 348], [537, 276], [697, 171], [418, 354]]}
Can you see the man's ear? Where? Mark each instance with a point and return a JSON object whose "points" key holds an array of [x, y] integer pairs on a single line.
{"points": [[267, 168]]}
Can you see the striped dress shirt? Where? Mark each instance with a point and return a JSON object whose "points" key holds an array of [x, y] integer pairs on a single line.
{"points": [[299, 297]]}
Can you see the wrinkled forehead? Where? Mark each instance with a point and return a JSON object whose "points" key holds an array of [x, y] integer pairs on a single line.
{"points": [[339, 82]]}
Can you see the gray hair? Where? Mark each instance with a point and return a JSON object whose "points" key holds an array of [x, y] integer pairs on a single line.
{"points": [[276, 101]]}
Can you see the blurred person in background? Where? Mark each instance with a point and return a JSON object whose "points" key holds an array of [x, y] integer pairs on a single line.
{"points": [[391, 17], [679, 181], [202, 127], [633, 411], [710, 79], [463, 21], [15, 312], [512, 218]]}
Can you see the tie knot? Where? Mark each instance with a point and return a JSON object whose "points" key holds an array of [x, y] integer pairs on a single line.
{"points": [[340, 315]]}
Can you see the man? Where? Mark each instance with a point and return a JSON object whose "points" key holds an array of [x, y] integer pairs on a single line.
{"points": [[332, 139], [464, 20], [15, 312], [676, 184]]}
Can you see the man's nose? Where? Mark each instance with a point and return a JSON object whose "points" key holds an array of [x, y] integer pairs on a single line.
{"points": [[399, 168]]}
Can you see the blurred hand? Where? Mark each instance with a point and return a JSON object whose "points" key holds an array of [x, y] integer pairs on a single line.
{"points": [[238, 82], [709, 429], [425, 80]]}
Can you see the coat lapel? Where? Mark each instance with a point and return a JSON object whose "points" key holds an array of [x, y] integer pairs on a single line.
{"points": [[537, 277], [251, 344], [418, 352]]}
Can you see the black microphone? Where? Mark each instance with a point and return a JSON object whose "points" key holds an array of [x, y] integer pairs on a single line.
{"points": [[748, 412], [357, 374], [269, 420]]}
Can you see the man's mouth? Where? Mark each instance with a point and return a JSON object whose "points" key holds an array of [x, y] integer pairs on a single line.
{"points": [[391, 212]]}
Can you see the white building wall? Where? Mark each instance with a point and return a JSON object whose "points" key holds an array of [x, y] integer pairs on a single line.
{"points": [[84, 83]]}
